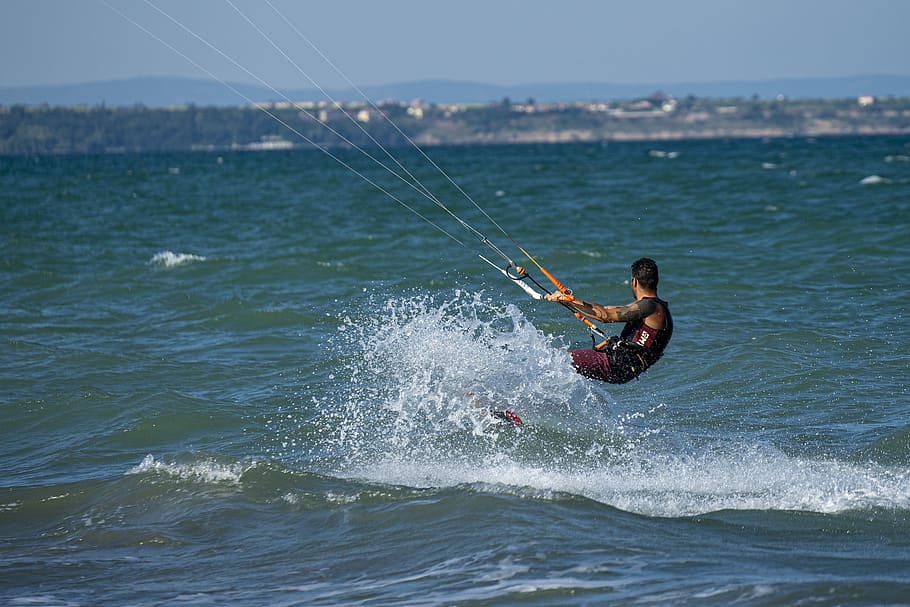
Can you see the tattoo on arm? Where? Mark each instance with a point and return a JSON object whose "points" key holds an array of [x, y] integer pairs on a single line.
{"points": [[636, 310], [586, 308]]}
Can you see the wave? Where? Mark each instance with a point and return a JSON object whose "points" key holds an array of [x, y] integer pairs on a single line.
{"points": [[168, 259], [724, 478], [644, 480], [207, 470]]}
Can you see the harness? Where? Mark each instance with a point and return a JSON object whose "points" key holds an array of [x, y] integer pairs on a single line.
{"points": [[646, 343]]}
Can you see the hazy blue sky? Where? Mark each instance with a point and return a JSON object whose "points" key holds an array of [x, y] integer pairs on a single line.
{"points": [[491, 41]]}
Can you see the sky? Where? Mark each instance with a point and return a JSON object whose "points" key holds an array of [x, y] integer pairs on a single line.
{"points": [[489, 41]]}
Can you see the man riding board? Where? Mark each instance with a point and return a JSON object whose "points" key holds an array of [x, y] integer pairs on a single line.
{"points": [[648, 329]]}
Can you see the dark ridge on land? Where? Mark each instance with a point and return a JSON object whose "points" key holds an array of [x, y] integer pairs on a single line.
{"points": [[166, 91]]}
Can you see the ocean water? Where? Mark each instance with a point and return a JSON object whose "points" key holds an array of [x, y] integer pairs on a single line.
{"points": [[239, 378]]}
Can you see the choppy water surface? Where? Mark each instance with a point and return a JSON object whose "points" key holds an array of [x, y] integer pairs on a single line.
{"points": [[240, 378]]}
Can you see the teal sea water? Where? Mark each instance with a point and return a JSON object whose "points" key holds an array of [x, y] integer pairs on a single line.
{"points": [[239, 379]]}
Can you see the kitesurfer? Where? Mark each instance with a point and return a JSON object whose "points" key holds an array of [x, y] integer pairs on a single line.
{"points": [[648, 329]]}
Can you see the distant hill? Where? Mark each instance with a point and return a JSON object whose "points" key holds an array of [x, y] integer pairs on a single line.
{"points": [[165, 91]]}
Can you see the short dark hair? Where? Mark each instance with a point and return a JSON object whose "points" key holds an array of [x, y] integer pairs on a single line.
{"points": [[645, 270]]}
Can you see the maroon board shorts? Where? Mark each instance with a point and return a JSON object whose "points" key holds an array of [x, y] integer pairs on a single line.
{"points": [[610, 365], [591, 363]]}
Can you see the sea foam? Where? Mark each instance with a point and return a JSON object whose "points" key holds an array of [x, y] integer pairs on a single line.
{"points": [[203, 470], [168, 259]]}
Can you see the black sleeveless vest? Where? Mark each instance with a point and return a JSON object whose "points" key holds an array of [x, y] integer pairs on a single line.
{"points": [[648, 343]]}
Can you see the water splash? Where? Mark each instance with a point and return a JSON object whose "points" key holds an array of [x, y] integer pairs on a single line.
{"points": [[397, 414], [412, 377]]}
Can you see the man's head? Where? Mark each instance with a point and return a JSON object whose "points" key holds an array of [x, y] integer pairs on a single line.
{"points": [[644, 270]]}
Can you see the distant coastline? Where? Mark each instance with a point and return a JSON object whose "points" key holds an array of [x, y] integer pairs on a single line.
{"points": [[26, 130]]}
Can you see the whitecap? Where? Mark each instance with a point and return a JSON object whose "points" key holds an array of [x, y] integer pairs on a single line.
{"points": [[667, 484], [168, 259], [205, 470], [874, 179]]}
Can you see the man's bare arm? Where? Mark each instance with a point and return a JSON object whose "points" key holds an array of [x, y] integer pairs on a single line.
{"points": [[633, 311]]}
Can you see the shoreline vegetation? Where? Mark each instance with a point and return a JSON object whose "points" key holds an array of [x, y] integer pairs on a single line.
{"points": [[43, 129]]}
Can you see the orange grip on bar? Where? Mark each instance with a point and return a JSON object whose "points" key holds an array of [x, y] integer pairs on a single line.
{"points": [[584, 320], [562, 288]]}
